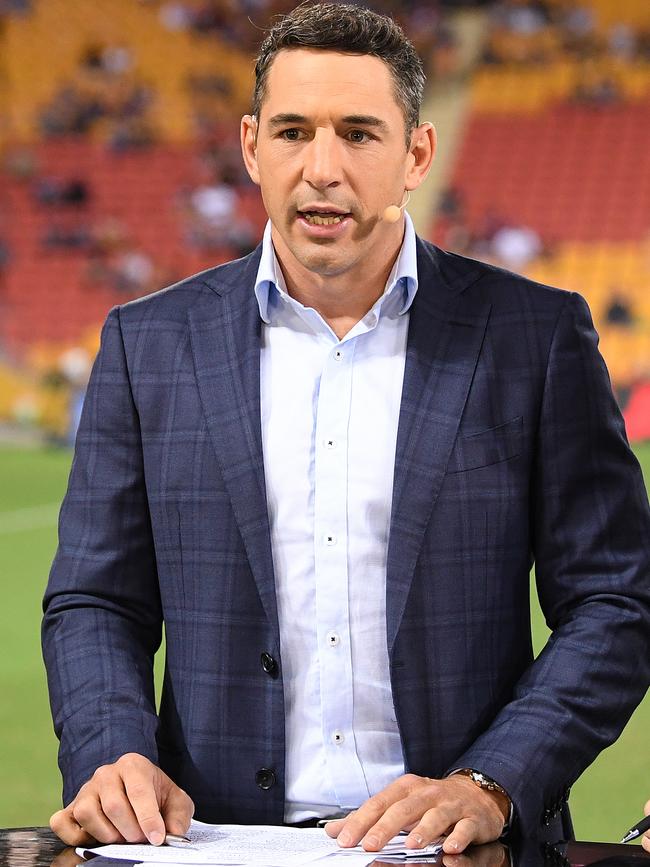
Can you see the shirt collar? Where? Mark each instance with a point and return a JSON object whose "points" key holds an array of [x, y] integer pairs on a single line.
{"points": [[269, 283]]}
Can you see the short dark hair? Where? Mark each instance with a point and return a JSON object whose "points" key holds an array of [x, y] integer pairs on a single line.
{"points": [[353, 30]]}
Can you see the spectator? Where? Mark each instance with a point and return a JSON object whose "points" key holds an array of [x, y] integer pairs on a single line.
{"points": [[53, 191], [117, 59], [516, 246], [175, 16], [67, 235], [451, 205], [619, 311], [578, 29], [596, 87], [70, 111], [132, 272]]}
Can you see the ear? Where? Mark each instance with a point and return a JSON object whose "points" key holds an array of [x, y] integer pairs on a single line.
{"points": [[421, 154], [248, 139]]}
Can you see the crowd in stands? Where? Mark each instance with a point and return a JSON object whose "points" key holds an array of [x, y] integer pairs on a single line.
{"points": [[496, 239], [528, 34], [104, 94], [242, 23], [538, 32], [107, 101]]}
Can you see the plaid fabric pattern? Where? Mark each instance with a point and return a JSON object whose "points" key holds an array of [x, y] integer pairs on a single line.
{"points": [[510, 450]]}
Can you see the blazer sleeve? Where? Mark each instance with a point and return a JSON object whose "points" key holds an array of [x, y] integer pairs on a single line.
{"points": [[102, 613], [590, 527]]}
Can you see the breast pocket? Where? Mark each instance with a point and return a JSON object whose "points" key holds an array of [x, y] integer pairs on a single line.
{"points": [[491, 446]]}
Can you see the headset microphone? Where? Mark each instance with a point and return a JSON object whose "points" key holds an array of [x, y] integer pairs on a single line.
{"points": [[393, 212]]}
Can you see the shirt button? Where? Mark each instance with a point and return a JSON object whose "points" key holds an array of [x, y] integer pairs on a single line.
{"points": [[338, 738], [332, 639], [329, 444], [330, 539], [338, 355]]}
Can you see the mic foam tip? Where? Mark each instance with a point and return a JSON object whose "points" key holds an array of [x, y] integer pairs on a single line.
{"points": [[392, 214]]}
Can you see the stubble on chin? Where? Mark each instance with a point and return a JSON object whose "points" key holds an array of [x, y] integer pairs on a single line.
{"points": [[324, 262]]}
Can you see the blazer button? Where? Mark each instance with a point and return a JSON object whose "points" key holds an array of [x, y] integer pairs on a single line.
{"points": [[269, 665], [265, 778]]}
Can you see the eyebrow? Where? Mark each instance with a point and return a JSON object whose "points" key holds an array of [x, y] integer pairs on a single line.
{"points": [[366, 120], [355, 119]]}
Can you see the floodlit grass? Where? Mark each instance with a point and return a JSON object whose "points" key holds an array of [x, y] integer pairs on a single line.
{"points": [[607, 799]]}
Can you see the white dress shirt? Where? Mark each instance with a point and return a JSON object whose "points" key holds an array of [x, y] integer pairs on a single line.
{"points": [[330, 411]]}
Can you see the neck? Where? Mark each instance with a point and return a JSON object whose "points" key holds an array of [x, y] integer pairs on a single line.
{"points": [[341, 299]]}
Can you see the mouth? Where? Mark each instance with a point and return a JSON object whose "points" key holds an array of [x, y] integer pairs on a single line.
{"points": [[323, 217]]}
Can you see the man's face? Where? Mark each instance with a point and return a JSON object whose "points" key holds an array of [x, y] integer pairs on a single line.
{"points": [[329, 154]]}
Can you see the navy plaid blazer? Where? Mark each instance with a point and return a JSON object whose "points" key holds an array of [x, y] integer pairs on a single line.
{"points": [[510, 451]]}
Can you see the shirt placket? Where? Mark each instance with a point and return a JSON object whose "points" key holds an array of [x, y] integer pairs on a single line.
{"points": [[331, 567]]}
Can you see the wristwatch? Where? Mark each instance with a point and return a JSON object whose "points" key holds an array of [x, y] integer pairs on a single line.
{"points": [[490, 785]]}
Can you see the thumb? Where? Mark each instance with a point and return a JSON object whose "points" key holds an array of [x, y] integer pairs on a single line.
{"points": [[176, 808]]}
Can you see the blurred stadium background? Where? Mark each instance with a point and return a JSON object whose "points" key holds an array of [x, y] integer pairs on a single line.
{"points": [[120, 173]]}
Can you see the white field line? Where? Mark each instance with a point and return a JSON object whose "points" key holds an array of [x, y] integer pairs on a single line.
{"points": [[29, 518]]}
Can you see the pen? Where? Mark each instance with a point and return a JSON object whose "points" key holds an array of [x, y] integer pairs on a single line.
{"points": [[640, 828], [175, 840]]}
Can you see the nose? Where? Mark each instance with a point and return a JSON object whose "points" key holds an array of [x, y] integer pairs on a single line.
{"points": [[322, 160]]}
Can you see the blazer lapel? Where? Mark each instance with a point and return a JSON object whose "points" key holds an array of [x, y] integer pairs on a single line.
{"points": [[444, 341], [225, 336]]}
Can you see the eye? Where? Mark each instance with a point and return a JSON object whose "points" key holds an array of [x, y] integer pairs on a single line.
{"points": [[290, 134], [359, 136]]}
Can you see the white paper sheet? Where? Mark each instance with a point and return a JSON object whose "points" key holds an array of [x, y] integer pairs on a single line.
{"points": [[270, 845], [260, 845]]}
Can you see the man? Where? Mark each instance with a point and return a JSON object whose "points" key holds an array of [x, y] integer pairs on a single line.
{"points": [[328, 468]]}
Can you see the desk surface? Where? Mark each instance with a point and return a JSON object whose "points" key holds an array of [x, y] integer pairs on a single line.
{"points": [[39, 847]]}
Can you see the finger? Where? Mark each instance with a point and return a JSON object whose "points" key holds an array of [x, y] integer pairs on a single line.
{"points": [[118, 810], [645, 842], [433, 824], [334, 826], [141, 793], [68, 829], [646, 809], [465, 831], [414, 812], [87, 812], [177, 809], [357, 824]]}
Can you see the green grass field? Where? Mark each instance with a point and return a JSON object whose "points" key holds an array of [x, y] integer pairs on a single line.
{"points": [[607, 799]]}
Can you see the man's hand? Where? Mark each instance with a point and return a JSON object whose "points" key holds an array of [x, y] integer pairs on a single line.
{"points": [[130, 801], [645, 840], [427, 809]]}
